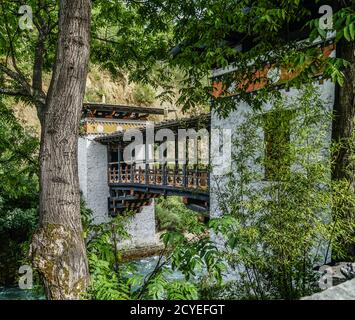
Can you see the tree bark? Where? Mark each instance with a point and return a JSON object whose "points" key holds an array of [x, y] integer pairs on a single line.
{"points": [[344, 116], [58, 249], [343, 130]]}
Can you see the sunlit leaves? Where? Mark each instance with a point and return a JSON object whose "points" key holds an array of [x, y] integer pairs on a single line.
{"points": [[345, 23], [18, 192], [334, 70], [18, 161]]}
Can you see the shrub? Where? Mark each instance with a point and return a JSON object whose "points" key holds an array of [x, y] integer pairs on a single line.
{"points": [[143, 94], [18, 194], [278, 223]]}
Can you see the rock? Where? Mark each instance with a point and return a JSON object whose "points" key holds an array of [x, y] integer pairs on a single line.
{"points": [[338, 273], [344, 291], [348, 270]]}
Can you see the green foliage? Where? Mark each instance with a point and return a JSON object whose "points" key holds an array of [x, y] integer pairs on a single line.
{"points": [[175, 44], [18, 220], [344, 24], [276, 229], [18, 159], [197, 258], [16, 227], [181, 290], [144, 95], [86, 217], [172, 215], [18, 47], [342, 227], [138, 36], [18, 193], [107, 285], [191, 252], [203, 34], [109, 279]]}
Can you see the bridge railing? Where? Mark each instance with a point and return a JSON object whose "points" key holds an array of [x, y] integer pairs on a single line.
{"points": [[156, 174]]}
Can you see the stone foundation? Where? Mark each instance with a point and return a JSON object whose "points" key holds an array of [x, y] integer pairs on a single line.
{"points": [[142, 229]]}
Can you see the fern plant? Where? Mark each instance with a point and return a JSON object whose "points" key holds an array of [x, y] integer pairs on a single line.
{"points": [[189, 251]]}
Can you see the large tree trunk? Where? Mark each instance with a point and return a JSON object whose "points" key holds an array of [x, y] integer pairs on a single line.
{"points": [[58, 248], [343, 127], [344, 115]]}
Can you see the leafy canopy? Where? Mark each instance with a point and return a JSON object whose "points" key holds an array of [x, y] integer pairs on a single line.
{"points": [[152, 39]]}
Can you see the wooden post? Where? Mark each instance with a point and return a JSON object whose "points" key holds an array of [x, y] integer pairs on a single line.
{"points": [[119, 149], [196, 165], [108, 164], [164, 174], [132, 171], [176, 169], [185, 166], [146, 151], [155, 174]]}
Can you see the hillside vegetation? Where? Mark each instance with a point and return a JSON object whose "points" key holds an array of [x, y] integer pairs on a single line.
{"points": [[101, 86]]}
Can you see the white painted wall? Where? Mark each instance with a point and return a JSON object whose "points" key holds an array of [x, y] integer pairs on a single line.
{"points": [[92, 165], [142, 229], [238, 117]]}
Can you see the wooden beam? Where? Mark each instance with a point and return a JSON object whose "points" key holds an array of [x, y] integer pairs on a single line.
{"points": [[122, 108]]}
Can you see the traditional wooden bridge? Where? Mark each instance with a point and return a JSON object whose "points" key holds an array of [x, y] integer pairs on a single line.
{"points": [[135, 183]]}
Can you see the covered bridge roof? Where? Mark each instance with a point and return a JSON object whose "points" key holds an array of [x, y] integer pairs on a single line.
{"points": [[119, 111], [198, 122]]}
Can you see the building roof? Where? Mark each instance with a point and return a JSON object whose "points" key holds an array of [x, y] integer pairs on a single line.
{"points": [[119, 111], [198, 122]]}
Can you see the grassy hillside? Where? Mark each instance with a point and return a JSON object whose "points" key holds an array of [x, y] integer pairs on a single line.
{"points": [[101, 86]]}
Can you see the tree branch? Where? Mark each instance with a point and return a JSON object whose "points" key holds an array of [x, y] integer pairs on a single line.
{"points": [[14, 92], [25, 91], [38, 66], [35, 92], [11, 45], [17, 77]]}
